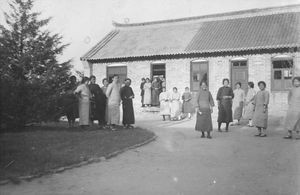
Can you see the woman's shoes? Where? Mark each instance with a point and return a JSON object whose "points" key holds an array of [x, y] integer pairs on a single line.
{"points": [[288, 137], [263, 135], [257, 135]]}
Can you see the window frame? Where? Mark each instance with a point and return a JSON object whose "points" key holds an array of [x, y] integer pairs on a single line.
{"points": [[152, 64], [115, 66], [281, 58]]}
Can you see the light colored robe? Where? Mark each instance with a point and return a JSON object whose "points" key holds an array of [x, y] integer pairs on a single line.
{"points": [[175, 105], [249, 106], [292, 122], [113, 103], [83, 104], [164, 98]]}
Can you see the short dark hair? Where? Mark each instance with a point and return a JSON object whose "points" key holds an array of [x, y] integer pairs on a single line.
{"points": [[84, 79], [127, 79], [174, 88], [143, 79], [204, 82], [239, 83], [115, 75], [72, 78], [105, 79], [92, 77], [262, 82], [295, 78], [225, 80], [251, 84]]}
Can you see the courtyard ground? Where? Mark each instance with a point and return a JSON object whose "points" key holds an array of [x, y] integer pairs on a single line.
{"points": [[180, 162]]}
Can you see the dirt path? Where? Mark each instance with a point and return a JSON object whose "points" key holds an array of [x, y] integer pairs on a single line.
{"points": [[180, 162]]}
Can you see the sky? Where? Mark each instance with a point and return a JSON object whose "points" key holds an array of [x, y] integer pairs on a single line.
{"points": [[83, 23]]}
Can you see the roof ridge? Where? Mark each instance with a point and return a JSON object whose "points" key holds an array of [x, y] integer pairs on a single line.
{"points": [[100, 44], [216, 15]]}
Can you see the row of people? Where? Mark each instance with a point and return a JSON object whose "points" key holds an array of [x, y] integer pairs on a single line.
{"points": [[150, 91], [102, 104]]}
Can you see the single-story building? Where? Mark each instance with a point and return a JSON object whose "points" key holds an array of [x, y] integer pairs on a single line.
{"points": [[249, 45]]}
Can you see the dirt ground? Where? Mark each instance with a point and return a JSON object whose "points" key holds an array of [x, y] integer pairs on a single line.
{"points": [[180, 162]]}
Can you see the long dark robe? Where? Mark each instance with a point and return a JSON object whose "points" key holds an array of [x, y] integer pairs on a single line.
{"points": [[98, 104], [155, 93], [128, 112], [70, 102], [142, 92], [225, 105], [204, 104]]}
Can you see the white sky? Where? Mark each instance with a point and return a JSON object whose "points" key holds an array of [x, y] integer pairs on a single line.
{"points": [[85, 22]]}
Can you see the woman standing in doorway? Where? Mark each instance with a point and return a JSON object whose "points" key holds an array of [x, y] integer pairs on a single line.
{"points": [[224, 98], [155, 92], [260, 117], [147, 92], [205, 104], [238, 103]]}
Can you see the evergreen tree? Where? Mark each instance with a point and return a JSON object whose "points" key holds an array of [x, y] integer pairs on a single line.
{"points": [[32, 79]]}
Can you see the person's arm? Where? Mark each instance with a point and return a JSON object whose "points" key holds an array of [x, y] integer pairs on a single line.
{"points": [[132, 94], [219, 96], [289, 97], [197, 109], [211, 102], [266, 102], [108, 90]]}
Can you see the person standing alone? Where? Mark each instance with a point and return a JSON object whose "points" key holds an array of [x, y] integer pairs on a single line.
{"points": [[127, 95]]}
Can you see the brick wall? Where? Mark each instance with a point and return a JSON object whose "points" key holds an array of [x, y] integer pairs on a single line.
{"points": [[178, 75]]}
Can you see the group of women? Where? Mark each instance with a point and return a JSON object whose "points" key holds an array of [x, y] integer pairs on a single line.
{"points": [[171, 106], [101, 104], [150, 91]]}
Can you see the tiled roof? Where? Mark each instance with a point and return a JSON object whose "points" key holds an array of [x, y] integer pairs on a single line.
{"points": [[200, 35]]}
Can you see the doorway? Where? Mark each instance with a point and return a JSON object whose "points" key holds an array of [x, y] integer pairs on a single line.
{"points": [[239, 73]]}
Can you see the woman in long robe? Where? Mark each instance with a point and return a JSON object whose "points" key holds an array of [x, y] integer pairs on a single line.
{"points": [[187, 106], [147, 94], [128, 113], [249, 106], [155, 92], [292, 122], [84, 95], [98, 103], [175, 105], [114, 99], [70, 102], [260, 117], [238, 103], [164, 99], [142, 91], [224, 98], [104, 89], [205, 104]]}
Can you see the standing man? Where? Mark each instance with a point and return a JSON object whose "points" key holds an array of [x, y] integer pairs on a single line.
{"points": [[142, 91], [113, 99], [127, 95]]}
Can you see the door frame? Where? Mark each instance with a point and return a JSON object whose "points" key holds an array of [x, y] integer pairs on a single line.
{"points": [[231, 69], [191, 72]]}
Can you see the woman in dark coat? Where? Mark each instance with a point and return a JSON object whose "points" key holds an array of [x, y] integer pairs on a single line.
{"points": [[70, 102], [205, 104], [155, 92], [127, 95], [98, 103], [224, 98]]}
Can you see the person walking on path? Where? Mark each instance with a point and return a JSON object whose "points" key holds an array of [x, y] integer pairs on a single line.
{"points": [[155, 92], [248, 110], [142, 91], [175, 105], [164, 99], [98, 103], [260, 117], [224, 98], [205, 104], [292, 122], [128, 113], [114, 99], [84, 95], [187, 107], [238, 103], [147, 92]]}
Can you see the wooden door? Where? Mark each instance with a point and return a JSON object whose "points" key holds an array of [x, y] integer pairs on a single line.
{"points": [[239, 73]]}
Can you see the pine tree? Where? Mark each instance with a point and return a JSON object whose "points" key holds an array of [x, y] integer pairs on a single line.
{"points": [[31, 76]]}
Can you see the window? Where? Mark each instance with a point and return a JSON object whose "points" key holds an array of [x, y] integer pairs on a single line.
{"points": [[199, 72], [282, 73], [119, 70]]}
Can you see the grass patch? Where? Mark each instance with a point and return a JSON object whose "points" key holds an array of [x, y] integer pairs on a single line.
{"points": [[40, 149]]}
